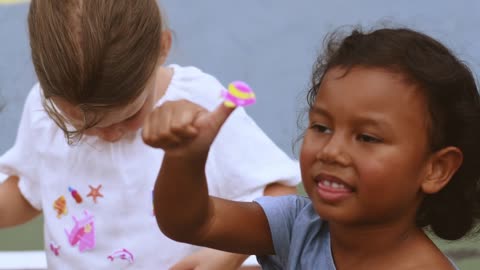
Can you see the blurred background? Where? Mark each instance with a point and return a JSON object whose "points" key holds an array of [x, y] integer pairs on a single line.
{"points": [[271, 44]]}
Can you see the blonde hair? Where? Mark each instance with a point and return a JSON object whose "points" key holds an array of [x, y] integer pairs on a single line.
{"points": [[94, 54]]}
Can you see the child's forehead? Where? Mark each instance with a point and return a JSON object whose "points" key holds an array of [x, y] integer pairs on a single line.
{"points": [[369, 90], [364, 73], [371, 82]]}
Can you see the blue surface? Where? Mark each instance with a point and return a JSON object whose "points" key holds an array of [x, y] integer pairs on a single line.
{"points": [[271, 44]]}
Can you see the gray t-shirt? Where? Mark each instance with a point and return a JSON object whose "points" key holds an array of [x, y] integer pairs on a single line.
{"points": [[301, 239]]}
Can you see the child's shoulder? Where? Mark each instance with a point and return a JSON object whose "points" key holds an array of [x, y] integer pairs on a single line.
{"points": [[190, 73], [33, 111], [425, 261], [418, 252], [195, 85], [298, 233], [34, 97]]}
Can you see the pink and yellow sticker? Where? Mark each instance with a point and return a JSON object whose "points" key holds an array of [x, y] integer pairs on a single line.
{"points": [[238, 93]]}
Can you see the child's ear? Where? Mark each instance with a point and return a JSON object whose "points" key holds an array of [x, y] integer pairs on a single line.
{"points": [[166, 44], [442, 165]]}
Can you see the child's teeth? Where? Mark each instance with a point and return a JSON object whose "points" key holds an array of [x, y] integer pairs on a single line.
{"points": [[333, 184]]}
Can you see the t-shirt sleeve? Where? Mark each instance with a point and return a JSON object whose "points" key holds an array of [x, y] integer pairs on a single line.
{"points": [[22, 159], [281, 213]]}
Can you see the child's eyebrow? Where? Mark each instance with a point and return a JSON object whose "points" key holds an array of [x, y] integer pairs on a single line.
{"points": [[359, 120], [372, 121], [320, 111]]}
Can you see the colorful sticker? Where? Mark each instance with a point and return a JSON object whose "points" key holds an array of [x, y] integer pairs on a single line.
{"points": [[60, 206], [122, 254], [75, 195], [238, 94], [55, 248], [82, 233], [95, 192]]}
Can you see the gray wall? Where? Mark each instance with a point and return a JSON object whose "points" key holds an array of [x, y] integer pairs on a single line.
{"points": [[271, 44]]}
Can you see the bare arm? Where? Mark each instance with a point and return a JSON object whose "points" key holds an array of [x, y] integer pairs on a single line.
{"points": [[186, 213], [14, 209], [184, 210], [215, 259]]}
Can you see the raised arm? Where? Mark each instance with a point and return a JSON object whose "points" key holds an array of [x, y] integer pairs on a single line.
{"points": [[184, 210], [14, 209]]}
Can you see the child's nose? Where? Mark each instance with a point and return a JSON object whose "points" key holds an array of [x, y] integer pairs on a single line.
{"points": [[334, 151]]}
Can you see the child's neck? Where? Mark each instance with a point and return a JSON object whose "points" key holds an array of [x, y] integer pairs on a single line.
{"points": [[379, 247]]}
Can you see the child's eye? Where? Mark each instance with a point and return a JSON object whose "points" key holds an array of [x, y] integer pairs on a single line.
{"points": [[320, 128], [368, 138]]}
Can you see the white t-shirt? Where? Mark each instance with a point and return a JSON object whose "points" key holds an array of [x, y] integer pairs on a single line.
{"points": [[96, 196]]}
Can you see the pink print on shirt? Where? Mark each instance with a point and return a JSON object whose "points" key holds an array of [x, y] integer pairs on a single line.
{"points": [[82, 233], [123, 254]]}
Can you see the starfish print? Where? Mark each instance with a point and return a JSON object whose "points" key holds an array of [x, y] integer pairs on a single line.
{"points": [[94, 193]]}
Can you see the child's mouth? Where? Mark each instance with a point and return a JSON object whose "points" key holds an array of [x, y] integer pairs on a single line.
{"points": [[332, 189]]}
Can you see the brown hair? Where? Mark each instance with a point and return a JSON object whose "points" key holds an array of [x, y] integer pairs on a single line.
{"points": [[96, 55], [454, 106]]}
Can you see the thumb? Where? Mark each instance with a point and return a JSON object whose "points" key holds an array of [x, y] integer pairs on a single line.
{"points": [[237, 94], [216, 118]]}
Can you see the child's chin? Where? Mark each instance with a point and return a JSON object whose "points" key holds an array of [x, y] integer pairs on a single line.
{"points": [[331, 213]]}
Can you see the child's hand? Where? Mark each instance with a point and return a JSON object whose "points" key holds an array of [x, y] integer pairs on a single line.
{"points": [[184, 128]]}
